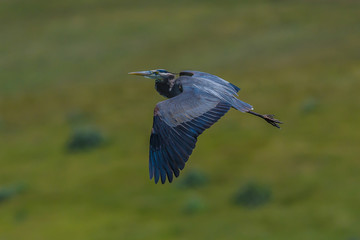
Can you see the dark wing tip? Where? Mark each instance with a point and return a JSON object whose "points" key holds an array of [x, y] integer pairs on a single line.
{"points": [[171, 147], [235, 87], [185, 73]]}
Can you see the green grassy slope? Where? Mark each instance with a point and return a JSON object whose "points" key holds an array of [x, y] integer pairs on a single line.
{"points": [[300, 61]]}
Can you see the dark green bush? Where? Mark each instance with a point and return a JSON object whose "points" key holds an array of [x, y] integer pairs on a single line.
{"points": [[193, 205], [10, 191], [84, 138], [252, 195], [353, 238], [309, 105], [193, 179]]}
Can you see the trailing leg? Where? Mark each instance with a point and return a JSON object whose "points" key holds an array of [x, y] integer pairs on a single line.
{"points": [[268, 118]]}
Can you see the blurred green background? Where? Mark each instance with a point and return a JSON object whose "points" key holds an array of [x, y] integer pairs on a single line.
{"points": [[74, 127]]}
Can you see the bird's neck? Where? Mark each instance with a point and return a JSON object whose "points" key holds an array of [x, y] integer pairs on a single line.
{"points": [[168, 87]]}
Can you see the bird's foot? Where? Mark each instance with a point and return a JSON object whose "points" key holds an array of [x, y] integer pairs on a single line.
{"points": [[270, 119]]}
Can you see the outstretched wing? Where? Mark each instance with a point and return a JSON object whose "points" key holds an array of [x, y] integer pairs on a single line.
{"points": [[177, 123]]}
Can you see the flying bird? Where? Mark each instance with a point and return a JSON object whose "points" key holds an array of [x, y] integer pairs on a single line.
{"points": [[196, 100]]}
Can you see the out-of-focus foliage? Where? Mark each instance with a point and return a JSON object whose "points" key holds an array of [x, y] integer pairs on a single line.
{"points": [[64, 64], [310, 105], [252, 195], [84, 138], [8, 192], [193, 179], [194, 205]]}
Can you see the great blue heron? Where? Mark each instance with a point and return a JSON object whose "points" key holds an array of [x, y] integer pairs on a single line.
{"points": [[196, 101]]}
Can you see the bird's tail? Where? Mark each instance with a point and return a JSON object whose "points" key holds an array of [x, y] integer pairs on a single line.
{"points": [[241, 106]]}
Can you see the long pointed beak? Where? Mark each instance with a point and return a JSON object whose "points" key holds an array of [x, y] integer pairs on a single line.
{"points": [[141, 73]]}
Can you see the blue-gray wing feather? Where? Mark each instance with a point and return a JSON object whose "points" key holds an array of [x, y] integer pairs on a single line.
{"points": [[177, 124]]}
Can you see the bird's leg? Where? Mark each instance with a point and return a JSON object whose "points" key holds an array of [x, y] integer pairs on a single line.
{"points": [[268, 118]]}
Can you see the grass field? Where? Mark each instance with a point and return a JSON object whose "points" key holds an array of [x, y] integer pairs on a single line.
{"points": [[63, 66]]}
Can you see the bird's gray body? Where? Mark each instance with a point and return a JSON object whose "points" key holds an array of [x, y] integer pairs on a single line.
{"points": [[196, 101], [199, 93]]}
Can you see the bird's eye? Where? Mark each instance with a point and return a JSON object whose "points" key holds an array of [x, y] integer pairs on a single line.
{"points": [[156, 72]]}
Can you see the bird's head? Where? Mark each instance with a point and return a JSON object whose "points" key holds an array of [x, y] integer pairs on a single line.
{"points": [[158, 74]]}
